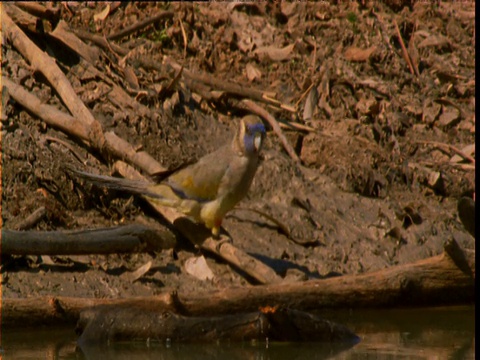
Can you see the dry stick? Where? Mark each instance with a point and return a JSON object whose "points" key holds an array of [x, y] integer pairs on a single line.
{"points": [[121, 239], [256, 109], [383, 32], [414, 54], [406, 56], [141, 24], [68, 124], [201, 79], [445, 101], [291, 125], [121, 149], [30, 221], [451, 147], [304, 94], [200, 236], [69, 147], [63, 33], [22, 18], [185, 41], [232, 88], [40, 61], [51, 115], [101, 42], [41, 11]]}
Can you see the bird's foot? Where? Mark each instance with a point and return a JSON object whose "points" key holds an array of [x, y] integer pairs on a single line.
{"points": [[222, 240]]}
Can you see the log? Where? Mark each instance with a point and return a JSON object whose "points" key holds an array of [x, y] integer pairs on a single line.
{"points": [[108, 324], [51, 310], [434, 281], [121, 239]]}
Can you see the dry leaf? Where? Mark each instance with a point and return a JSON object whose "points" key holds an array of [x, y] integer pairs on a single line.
{"points": [[273, 53], [450, 117], [431, 111], [435, 41], [131, 78], [137, 274], [253, 72], [367, 106], [467, 150], [102, 15], [198, 267], [310, 104], [356, 54]]}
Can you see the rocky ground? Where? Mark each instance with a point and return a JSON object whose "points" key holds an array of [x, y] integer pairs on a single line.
{"points": [[385, 133]]}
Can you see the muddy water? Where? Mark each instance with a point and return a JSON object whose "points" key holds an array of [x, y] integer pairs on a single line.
{"points": [[434, 333]]}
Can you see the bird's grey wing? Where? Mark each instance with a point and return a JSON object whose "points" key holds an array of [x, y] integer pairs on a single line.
{"points": [[201, 181]]}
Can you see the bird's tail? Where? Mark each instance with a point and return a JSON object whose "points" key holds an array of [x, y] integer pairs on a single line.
{"points": [[161, 194], [132, 186]]}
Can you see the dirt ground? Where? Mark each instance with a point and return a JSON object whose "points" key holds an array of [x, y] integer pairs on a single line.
{"points": [[381, 173]]}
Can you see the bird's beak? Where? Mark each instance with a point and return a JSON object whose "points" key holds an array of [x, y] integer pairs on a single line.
{"points": [[258, 141]]}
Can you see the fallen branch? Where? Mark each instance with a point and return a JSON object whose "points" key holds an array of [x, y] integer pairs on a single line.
{"points": [[122, 239], [48, 113], [40, 61], [114, 145], [51, 14], [101, 42], [433, 281], [63, 33], [30, 221], [121, 149], [140, 25], [228, 87], [438, 280]]}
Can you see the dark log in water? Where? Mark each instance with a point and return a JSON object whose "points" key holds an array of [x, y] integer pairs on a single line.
{"points": [[112, 323]]}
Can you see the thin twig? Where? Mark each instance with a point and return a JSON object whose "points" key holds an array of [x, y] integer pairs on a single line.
{"points": [[453, 148], [101, 42], [304, 94], [141, 24], [184, 35], [69, 147], [295, 126], [226, 86], [406, 56]]}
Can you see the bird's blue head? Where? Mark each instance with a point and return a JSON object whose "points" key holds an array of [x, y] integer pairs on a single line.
{"points": [[253, 132]]}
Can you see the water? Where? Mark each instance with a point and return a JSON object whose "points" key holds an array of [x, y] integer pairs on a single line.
{"points": [[433, 333]]}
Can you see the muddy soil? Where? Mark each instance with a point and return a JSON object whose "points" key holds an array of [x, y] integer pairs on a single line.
{"points": [[380, 176]]}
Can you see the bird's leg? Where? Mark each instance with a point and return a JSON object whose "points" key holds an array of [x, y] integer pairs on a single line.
{"points": [[217, 224]]}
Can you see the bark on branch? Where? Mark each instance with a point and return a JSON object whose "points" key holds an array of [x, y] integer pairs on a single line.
{"points": [[122, 239], [439, 280]]}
